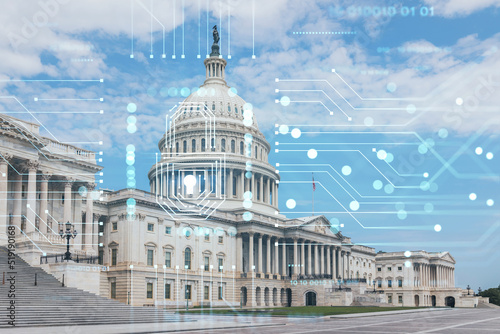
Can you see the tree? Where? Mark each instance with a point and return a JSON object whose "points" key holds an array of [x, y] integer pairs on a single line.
{"points": [[493, 294]]}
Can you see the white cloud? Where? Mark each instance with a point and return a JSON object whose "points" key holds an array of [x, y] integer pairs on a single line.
{"points": [[460, 7]]}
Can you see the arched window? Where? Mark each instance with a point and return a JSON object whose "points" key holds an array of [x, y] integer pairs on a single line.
{"points": [[184, 146], [235, 109], [193, 145], [203, 145], [255, 152], [223, 145], [233, 146], [213, 107], [241, 148], [228, 108], [187, 258], [177, 147], [212, 144], [261, 154]]}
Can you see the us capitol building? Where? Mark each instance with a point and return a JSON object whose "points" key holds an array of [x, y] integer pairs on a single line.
{"points": [[208, 232]]}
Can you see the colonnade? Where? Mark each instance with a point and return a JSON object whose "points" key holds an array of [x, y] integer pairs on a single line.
{"points": [[227, 182], [292, 257], [37, 217], [434, 275]]}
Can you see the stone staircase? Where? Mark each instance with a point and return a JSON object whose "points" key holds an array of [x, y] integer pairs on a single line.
{"points": [[50, 304]]}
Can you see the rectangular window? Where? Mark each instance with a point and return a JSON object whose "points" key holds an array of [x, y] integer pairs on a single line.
{"points": [[389, 299], [168, 259], [167, 291], [188, 292], [207, 237], [389, 268], [400, 299], [206, 292], [221, 239], [114, 253], [151, 227], [113, 290], [101, 257], [149, 290], [187, 258], [400, 268], [379, 269], [168, 230], [400, 283], [379, 284], [389, 283], [115, 226], [221, 264], [207, 263], [220, 293], [150, 257]]}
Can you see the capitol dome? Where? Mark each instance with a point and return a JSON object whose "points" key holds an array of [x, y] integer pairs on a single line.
{"points": [[214, 137]]}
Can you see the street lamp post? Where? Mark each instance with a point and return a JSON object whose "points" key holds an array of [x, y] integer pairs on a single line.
{"points": [[468, 290], [68, 234]]}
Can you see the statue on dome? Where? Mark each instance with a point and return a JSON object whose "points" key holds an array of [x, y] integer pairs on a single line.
{"points": [[216, 35]]}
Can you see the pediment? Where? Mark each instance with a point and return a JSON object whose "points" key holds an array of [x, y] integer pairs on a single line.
{"points": [[318, 224], [447, 257]]}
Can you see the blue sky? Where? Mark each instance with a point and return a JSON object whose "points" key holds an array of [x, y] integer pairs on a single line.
{"points": [[422, 91]]}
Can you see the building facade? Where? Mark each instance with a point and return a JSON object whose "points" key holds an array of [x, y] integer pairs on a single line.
{"points": [[208, 232]]}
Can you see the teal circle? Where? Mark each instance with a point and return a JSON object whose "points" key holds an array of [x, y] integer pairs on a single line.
{"points": [[247, 106], [389, 158], [443, 133], [82, 191], [131, 107], [285, 101], [185, 92], [172, 91], [131, 119], [131, 202], [411, 108], [346, 170], [428, 207], [131, 183], [430, 142], [247, 204], [391, 87], [400, 206], [232, 92], [130, 148], [247, 195], [130, 162], [195, 90], [422, 149], [424, 185], [389, 188], [402, 214], [283, 129], [433, 187], [248, 175], [131, 128], [152, 91], [248, 138], [377, 184], [247, 216], [131, 173], [164, 91]]}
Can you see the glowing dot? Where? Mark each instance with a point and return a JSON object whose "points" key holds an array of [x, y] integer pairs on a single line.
{"points": [[437, 228], [131, 202], [407, 264], [489, 155], [247, 204], [472, 197], [232, 92], [185, 92], [402, 214], [433, 187], [82, 191], [285, 100], [247, 122], [426, 175], [430, 142], [248, 175], [424, 185], [391, 87], [490, 202], [443, 133], [312, 153], [164, 91], [407, 253], [283, 129], [131, 128], [131, 120], [411, 108], [479, 150], [377, 184], [368, 121], [389, 188], [400, 206], [354, 205], [248, 138], [247, 106], [247, 216], [131, 107], [459, 101], [130, 148], [247, 195], [151, 91], [422, 149], [247, 114], [291, 203], [296, 133], [389, 158], [346, 170], [381, 154], [428, 207], [172, 91]]}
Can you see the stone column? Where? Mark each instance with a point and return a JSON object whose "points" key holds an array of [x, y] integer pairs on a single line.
{"points": [[268, 254], [348, 264], [268, 191], [4, 183], [259, 253], [284, 264], [67, 201], [342, 255], [316, 260], [334, 263], [31, 196], [261, 189], [78, 222], [18, 199], [309, 259], [90, 227], [452, 277], [295, 257], [321, 260], [230, 190], [250, 253], [303, 258], [276, 195], [239, 253], [44, 192], [276, 257], [328, 261]]}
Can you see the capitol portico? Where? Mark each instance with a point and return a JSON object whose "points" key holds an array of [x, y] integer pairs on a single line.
{"points": [[208, 232]]}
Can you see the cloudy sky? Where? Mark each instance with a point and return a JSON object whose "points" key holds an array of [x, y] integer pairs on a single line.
{"points": [[396, 105]]}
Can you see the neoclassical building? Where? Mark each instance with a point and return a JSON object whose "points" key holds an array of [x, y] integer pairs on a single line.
{"points": [[208, 232]]}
